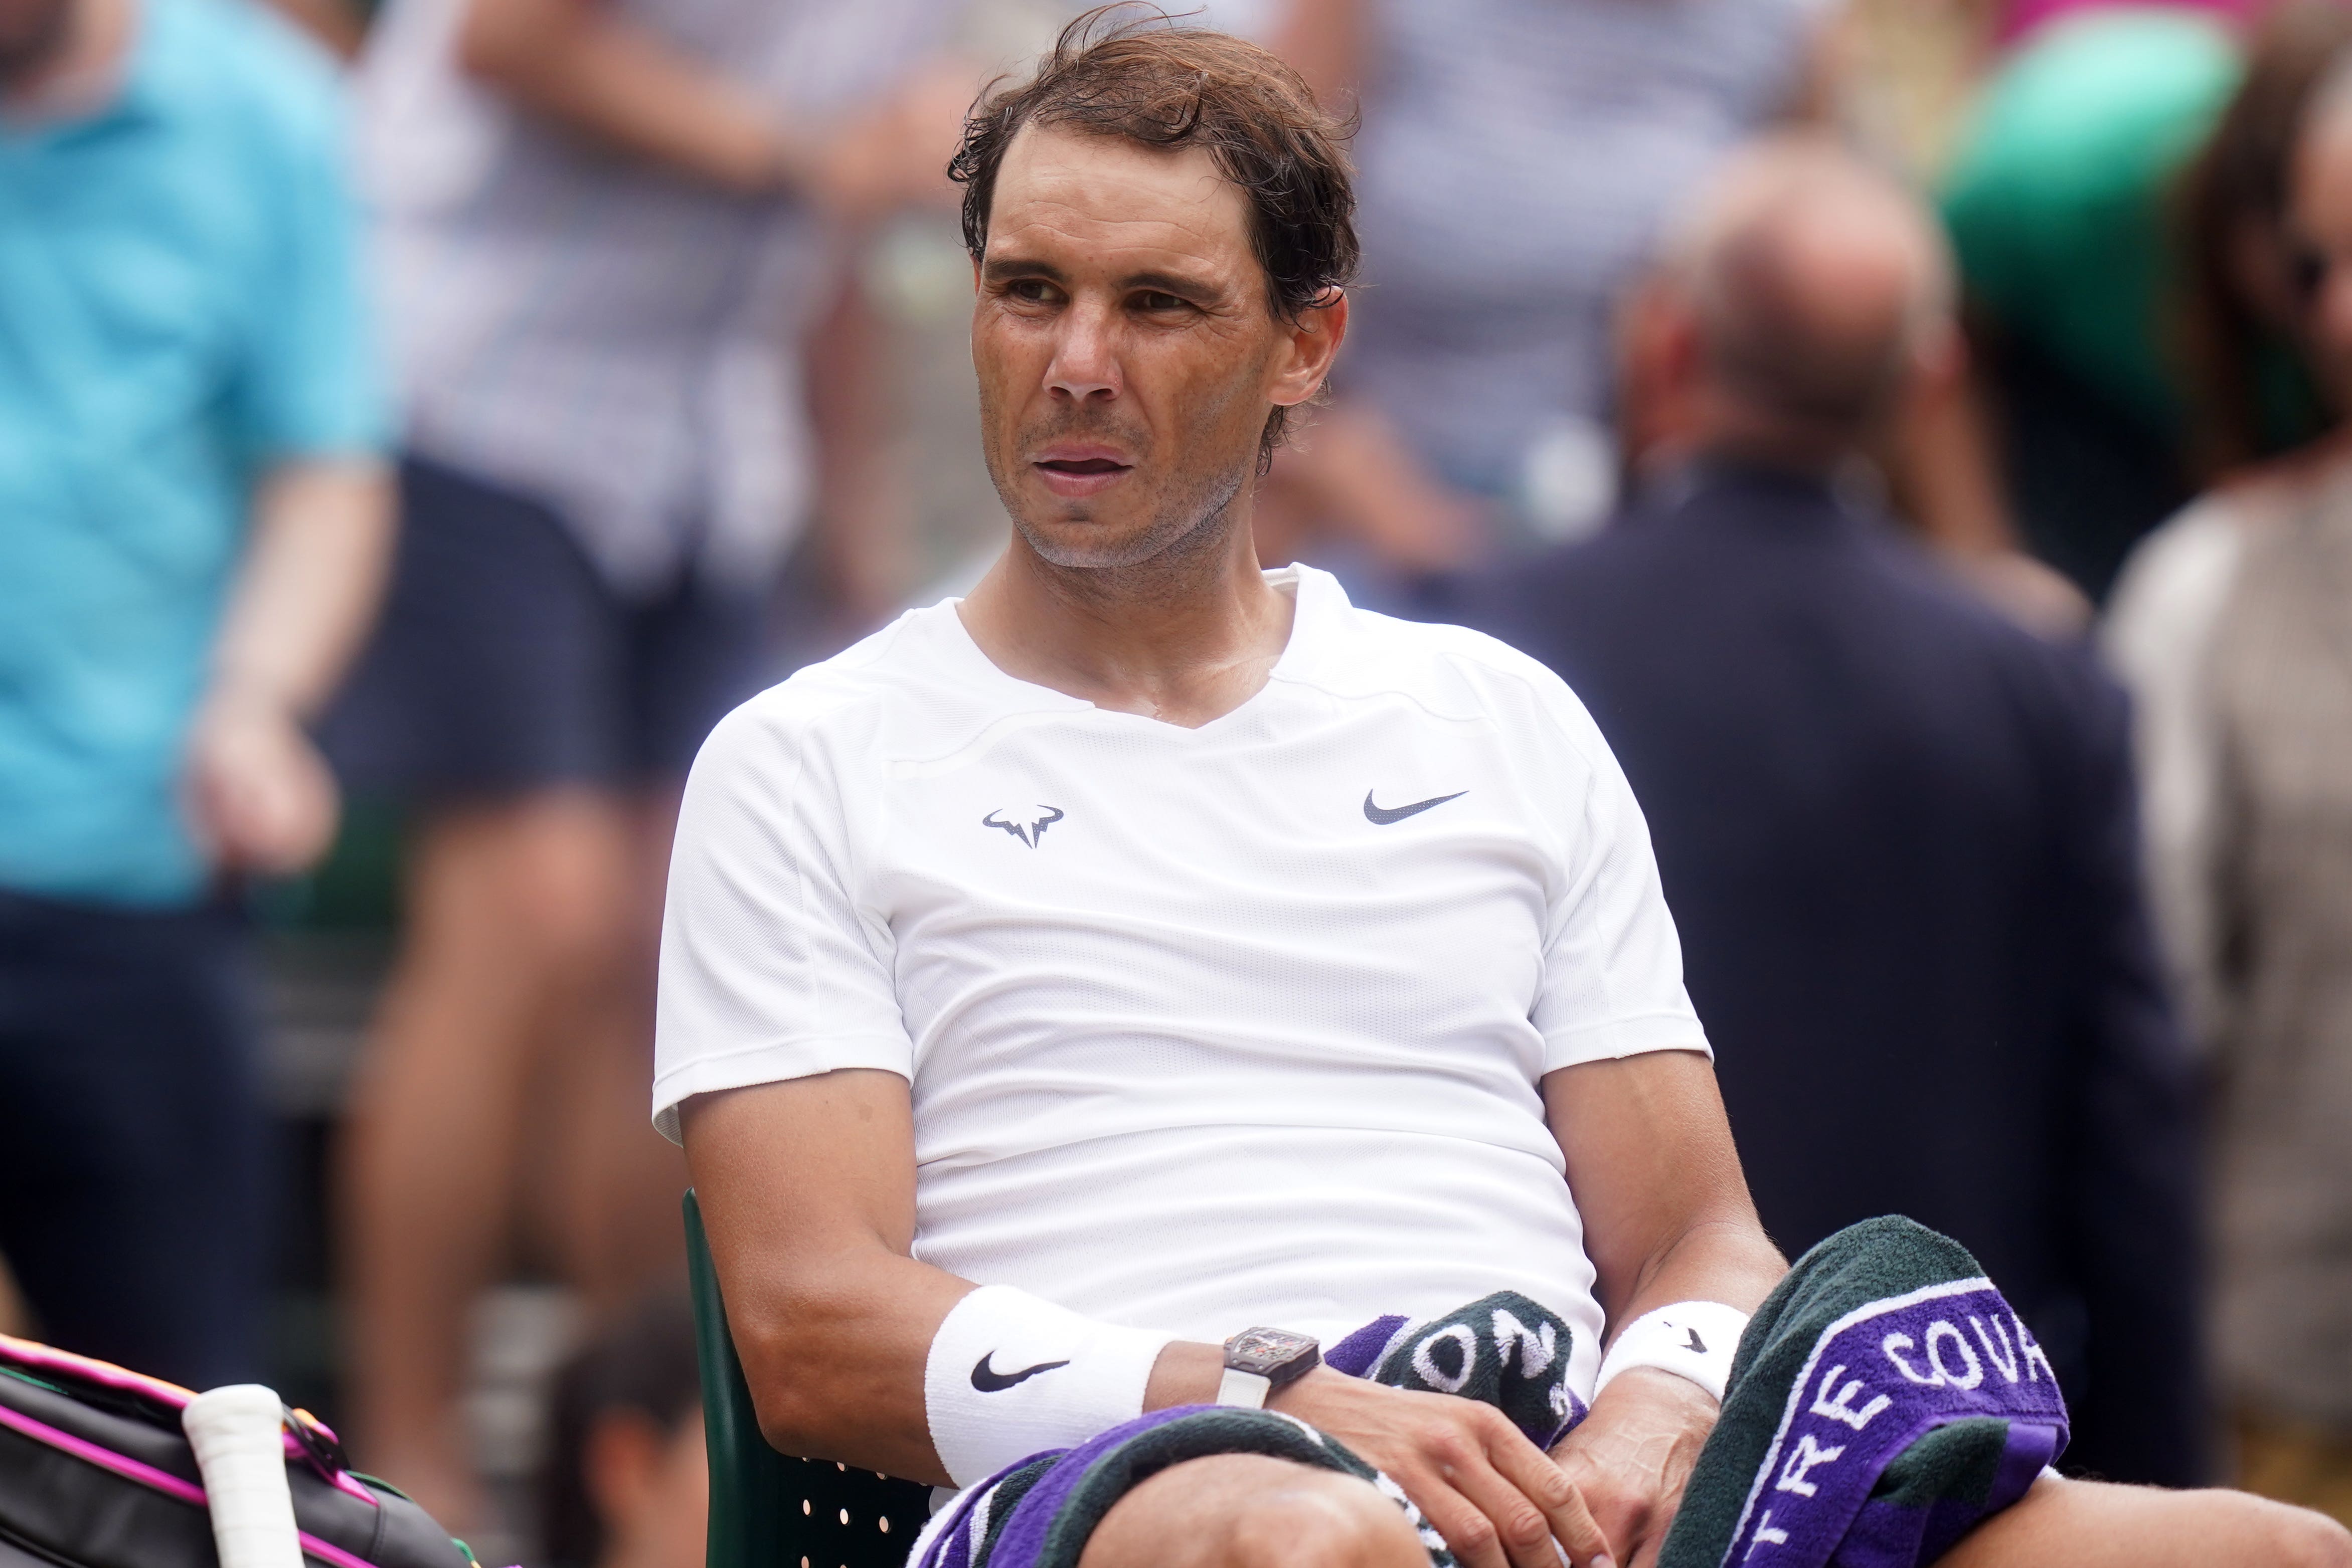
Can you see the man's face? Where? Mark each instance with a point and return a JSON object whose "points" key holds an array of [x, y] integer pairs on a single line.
{"points": [[1127, 354], [32, 34]]}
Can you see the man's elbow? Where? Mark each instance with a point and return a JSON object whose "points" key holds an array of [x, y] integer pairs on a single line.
{"points": [[802, 1411], [797, 1417]]}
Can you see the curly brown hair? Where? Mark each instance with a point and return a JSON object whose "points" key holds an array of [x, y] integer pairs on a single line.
{"points": [[1132, 72]]}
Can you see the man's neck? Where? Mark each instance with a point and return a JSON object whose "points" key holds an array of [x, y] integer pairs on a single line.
{"points": [[83, 72], [1185, 638]]}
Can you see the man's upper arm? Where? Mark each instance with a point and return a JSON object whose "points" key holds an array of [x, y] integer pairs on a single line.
{"points": [[808, 1191], [783, 1063], [1629, 1079], [1613, 964], [769, 970]]}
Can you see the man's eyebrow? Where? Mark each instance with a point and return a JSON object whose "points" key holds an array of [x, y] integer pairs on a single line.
{"points": [[1184, 285], [997, 268]]}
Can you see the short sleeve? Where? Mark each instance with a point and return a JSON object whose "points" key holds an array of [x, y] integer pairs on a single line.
{"points": [[768, 971], [1612, 974], [310, 382]]}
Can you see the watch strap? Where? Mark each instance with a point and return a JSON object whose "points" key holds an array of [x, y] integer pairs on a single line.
{"points": [[1244, 1390]]}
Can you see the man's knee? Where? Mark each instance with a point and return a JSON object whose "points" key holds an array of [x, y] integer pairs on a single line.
{"points": [[545, 881], [1249, 1510], [1323, 1519]]}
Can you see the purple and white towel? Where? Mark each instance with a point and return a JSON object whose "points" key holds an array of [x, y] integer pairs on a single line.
{"points": [[1884, 1400]]}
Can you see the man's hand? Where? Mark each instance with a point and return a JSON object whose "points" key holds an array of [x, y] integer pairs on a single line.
{"points": [[896, 154], [1495, 1498], [259, 795], [1632, 1457]]}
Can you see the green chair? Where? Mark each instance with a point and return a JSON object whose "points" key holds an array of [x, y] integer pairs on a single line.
{"points": [[767, 1508]]}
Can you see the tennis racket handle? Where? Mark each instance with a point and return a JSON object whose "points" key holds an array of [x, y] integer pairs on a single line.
{"points": [[240, 1447]]}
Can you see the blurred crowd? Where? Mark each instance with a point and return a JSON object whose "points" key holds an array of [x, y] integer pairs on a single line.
{"points": [[427, 422]]}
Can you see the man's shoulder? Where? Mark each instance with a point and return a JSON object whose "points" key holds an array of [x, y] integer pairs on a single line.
{"points": [[240, 66], [908, 689], [1450, 670]]}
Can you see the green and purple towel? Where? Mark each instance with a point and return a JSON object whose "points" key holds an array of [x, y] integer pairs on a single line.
{"points": [[1884, 1400]]}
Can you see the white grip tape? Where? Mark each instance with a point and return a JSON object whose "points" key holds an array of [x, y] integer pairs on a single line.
{"points": [[1690, 1339], [241, 1452], [1011, 1375]]}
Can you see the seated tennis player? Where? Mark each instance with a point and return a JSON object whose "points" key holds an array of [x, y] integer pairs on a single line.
{"points": [[1204, 1070]]}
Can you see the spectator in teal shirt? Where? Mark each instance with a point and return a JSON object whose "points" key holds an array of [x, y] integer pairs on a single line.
{"points": [[193, 531]]}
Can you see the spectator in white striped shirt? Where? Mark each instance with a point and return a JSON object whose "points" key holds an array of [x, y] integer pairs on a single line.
{"points": [[608, 231]]}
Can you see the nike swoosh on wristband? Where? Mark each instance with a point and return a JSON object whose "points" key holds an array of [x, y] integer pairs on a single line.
{"points": [[988, 1380], [1384, 815], [1696, 1343]]}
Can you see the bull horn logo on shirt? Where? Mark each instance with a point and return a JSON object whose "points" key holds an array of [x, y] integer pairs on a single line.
{"points": [[1028, 824]]}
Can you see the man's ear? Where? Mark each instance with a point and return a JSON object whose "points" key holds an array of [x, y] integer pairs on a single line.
{"points": [[1658, 368], [1313, 342]]}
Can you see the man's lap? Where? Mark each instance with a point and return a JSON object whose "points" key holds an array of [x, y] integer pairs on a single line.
{"points": [[1334, 1521], [1909, 1439]]}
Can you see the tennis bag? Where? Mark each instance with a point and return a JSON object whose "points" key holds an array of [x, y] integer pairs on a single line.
{"points": [[95, 1472]]}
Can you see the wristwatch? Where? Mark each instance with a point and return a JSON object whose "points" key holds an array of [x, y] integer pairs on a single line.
{"points": [[1260, 1361]]}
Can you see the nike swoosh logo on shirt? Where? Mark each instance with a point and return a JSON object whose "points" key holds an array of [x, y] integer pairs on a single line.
{"points": [[988, 1380], [1384, 815]]}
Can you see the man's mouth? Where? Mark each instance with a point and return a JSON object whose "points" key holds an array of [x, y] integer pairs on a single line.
{"points": [[1076, 474]]}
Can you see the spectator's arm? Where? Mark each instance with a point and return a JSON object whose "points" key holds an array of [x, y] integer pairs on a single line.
{"points": [[306, 401], [1822, 71], [575, 62], [260, 797], [337, 25], [2129, 1145], [861, 520], [1327, 42]]}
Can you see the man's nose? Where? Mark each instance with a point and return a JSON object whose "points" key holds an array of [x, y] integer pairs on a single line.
{"points": [[1086, 356]]}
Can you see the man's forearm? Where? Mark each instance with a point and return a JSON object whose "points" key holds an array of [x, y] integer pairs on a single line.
{"points": [[1728, 1260], [307, 591]]}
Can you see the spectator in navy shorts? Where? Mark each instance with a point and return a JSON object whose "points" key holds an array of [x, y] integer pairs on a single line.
{"points": [[607, 235]]}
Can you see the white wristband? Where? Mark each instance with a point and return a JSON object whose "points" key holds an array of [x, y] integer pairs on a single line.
{"points": [[1690, 1339], [1011, 1375]]}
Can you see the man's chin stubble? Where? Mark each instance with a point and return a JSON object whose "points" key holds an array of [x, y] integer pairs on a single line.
{"points": [[1180, 533]]}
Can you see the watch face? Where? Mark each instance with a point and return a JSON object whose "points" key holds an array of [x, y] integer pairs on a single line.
{"points": [[1272, 1353]]}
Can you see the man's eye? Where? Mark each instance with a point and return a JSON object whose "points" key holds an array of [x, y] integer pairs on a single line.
{"points": [[1156, 301], [1032, 290]]}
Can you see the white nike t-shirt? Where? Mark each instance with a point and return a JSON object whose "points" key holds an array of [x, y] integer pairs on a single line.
{"points": [[1205, 1028]]}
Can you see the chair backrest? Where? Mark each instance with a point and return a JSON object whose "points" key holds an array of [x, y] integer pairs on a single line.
{"points": [[769, 1510]]}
